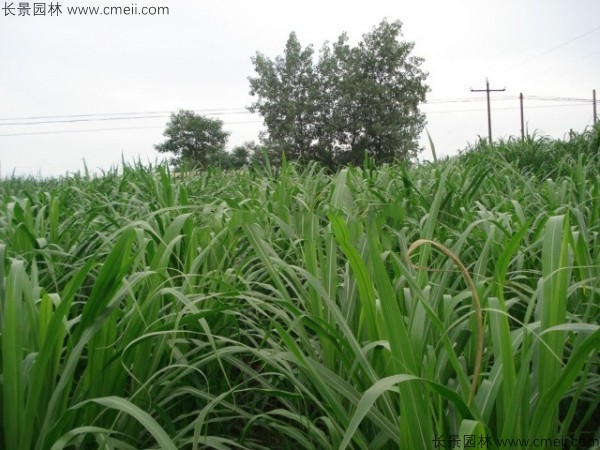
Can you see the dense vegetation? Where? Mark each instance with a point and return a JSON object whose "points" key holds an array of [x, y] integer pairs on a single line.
{"points": [[194, 139], [375, 308], [349, 103], [351, 100]]}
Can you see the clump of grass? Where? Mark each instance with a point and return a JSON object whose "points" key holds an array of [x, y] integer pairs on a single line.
{"points": [[288, 307], [542, 156]]}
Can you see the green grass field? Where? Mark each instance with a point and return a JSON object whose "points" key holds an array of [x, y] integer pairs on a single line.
{"points": [[270, 308]]}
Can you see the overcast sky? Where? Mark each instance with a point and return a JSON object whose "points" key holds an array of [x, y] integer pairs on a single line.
{"points": [[72, 70]]}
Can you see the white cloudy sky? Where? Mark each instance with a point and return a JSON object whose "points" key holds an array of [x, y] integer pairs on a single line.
{"points": [[198, 57]]}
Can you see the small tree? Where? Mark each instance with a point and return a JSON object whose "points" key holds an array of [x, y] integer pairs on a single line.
{"points": [[194, 139], [240, 155]]}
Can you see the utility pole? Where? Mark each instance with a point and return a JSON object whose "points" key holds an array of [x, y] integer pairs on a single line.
{"points": [[487, 90], [522, 117], [594, 101]]}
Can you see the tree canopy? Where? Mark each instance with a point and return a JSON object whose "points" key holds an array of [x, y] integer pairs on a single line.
{"points": [[194, 139], [348, 102]]}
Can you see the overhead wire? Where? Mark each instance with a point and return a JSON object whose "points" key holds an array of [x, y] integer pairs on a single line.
{"points": [[101, 117], [34, 133], [549, 50], [205, 111], [508, 108], [73, 118], [562, 66], [160, 114], [464, 100], [556, 99], [556, 47]]}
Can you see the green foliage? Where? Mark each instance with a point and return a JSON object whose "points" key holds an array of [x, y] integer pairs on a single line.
{"points": [[288, 94], [542, 156], [292, 308], [240, 156], [352, 101], [194, 139], [594, 146]]}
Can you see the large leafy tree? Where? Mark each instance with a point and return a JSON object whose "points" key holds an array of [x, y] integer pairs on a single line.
{"points": [[351, 101], [287, 90], [194, 139]]}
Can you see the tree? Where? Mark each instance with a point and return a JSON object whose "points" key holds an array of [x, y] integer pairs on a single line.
{"points": [[240, 155], [287, 90], [194, 139], [352, 101]]}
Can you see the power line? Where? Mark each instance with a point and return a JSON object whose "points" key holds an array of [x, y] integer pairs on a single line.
{"points": [[465, 100], [214, 111], [232, 111], [159, 114], [556, 99], [101, 119], [550, 50], [510, 108], [573, 61], [34, 133], [73, 118]]}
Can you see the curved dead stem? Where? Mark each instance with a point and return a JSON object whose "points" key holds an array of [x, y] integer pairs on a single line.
{"points": [[476, 303]]}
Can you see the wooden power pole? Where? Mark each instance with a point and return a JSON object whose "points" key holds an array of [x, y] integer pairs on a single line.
{"points": [[594, 101], [522, 117], [487, 90]]}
